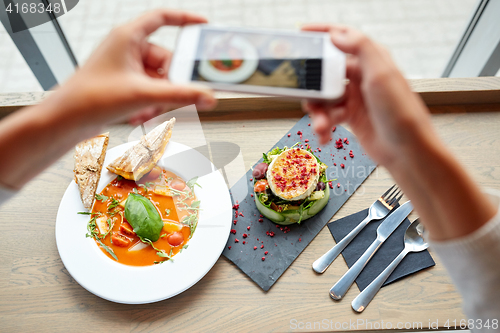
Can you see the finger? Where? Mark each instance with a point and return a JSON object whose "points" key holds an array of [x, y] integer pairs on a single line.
{"points": [[155, 56], [144, 115], [150, 22], [322, 27], [325, 117], [317, 106], [347, 39], [350, 40], [321, 125], [357, 44], [159, 91], [156, 60], [353, 69], [337, 115]]}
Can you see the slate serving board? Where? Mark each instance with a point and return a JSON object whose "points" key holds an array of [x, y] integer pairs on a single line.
{"points": [[412, 263], [288, 243]]}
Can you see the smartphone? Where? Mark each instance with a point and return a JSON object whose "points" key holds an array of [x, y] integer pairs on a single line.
{"points": [[272, 62]]}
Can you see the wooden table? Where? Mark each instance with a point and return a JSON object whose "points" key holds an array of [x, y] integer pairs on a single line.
{"points": [[38, 294]]}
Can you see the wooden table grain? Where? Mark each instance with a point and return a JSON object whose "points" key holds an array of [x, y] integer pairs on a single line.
{"points": [[38, 294]]}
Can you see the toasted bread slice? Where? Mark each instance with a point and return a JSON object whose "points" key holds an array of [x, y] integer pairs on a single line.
{"points": [[89, 158], [141, 158]]}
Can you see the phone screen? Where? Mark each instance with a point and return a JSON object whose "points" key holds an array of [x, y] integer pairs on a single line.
{"points": [[259, 59]]}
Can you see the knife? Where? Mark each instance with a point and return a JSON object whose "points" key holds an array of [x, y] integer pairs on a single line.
{"points": [[384, 230]]}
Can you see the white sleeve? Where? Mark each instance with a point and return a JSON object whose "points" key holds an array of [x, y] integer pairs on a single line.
{"points": [[473, 263], [5, 194]]}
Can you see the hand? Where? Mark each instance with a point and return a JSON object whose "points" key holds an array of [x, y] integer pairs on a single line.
{"points": [[125, 78], [393, 126], [379, 106]]}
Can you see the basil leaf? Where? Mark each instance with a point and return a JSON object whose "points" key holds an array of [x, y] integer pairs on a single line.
{"points": [[143, 217]]}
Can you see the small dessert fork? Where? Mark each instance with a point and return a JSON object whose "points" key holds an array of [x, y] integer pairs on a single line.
{"points": [[378, 210]]}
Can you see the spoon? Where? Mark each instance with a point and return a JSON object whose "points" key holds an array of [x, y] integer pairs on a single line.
{"points": [[413, 243]]}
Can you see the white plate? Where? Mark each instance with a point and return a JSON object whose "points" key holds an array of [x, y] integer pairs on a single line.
{"points": [[250, 64], [116, 282]]}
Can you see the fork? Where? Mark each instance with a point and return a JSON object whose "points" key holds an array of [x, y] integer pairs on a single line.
{"points": [[378, 210]]}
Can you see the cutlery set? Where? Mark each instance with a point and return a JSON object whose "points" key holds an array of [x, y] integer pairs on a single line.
{"points": [[413, 241]]}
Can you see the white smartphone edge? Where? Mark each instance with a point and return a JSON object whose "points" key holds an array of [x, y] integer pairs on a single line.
{"points": [[333, 72]]}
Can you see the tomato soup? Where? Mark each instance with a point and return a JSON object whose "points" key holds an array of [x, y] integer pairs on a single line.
{"points": [[175, 202]]}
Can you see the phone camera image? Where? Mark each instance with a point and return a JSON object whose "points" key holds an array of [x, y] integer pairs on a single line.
{"points": [[256, 59]]}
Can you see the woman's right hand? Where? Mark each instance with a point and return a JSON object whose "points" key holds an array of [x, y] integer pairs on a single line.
{"points": [[379, 106]]}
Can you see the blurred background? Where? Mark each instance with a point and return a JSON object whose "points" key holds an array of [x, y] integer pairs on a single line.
{"points": [[421, 35]]}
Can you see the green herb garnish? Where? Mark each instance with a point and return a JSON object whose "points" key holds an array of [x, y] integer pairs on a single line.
{"points": [[114, 203], [159, 253], [191, 221], [192, 182], [101, 197], [108, 249], [93, 233]]}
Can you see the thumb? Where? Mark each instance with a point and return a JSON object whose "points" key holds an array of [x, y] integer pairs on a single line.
{"points": [[350, 40], [160, 91]]}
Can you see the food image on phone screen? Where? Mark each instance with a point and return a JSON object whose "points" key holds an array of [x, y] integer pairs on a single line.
{"points": [[287, 61]]}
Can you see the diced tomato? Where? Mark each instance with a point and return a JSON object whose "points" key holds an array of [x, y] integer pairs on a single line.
{"points": [[260, 186], [178, 184], [127, 229], [120, 240], [175, 239], [153, 174]]}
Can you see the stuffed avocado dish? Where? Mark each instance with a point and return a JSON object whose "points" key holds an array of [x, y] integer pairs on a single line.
{"points": [[290, 185]]}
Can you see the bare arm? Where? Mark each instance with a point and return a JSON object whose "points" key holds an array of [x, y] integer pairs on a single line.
{"points": [[125, 79], [393, 125]]}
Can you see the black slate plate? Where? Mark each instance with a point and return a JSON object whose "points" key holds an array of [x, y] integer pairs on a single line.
{"points": [[412, 263], [283, 247]]}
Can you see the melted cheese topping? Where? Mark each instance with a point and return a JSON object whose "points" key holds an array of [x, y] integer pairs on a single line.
{"points": [[294, 174]]}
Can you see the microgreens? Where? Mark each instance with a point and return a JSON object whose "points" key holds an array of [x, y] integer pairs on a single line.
{"points": [[114, 204], [192, 182], [101, 197]]}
